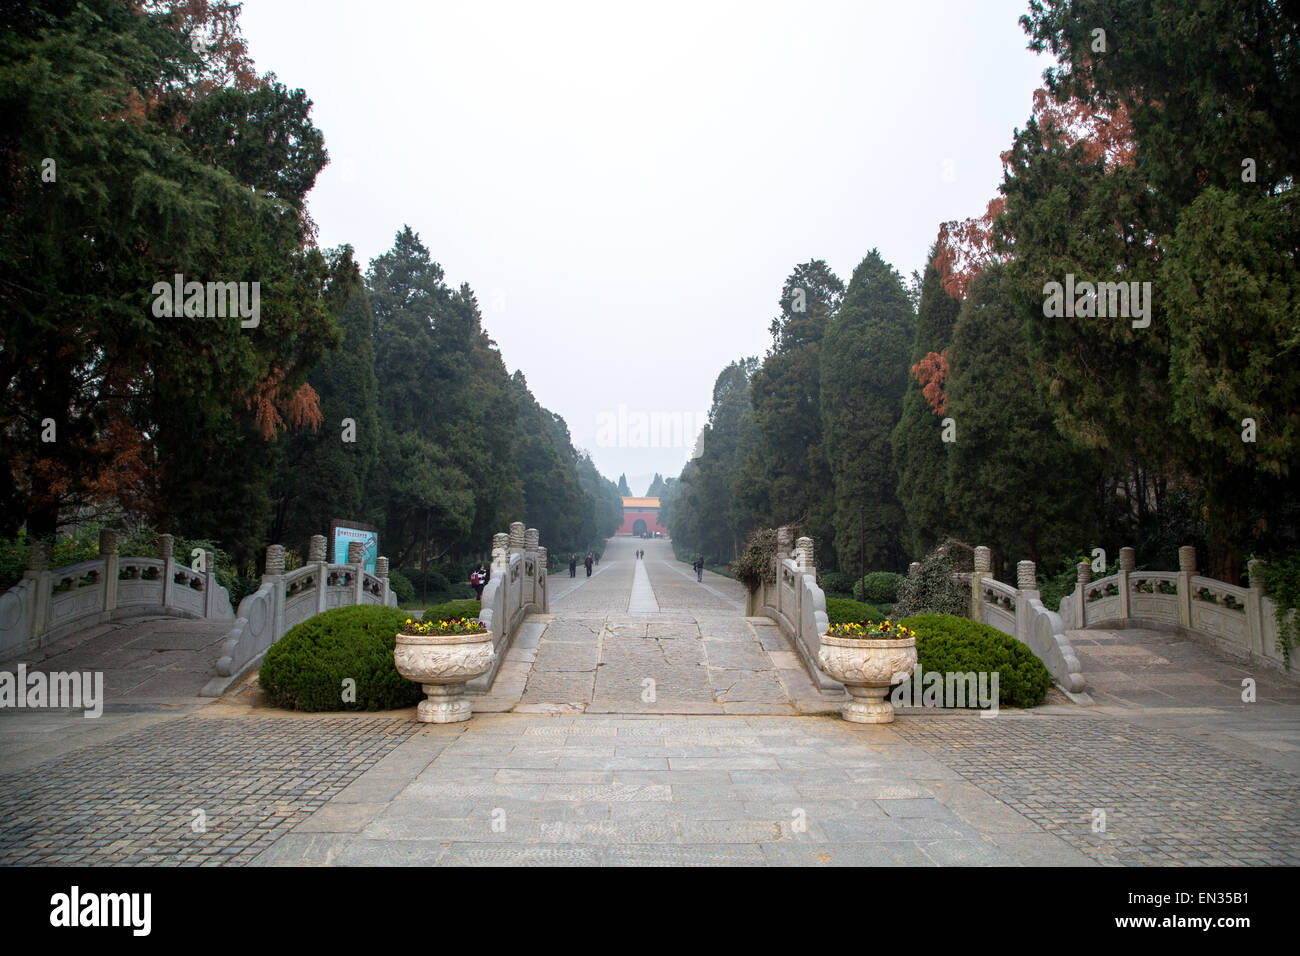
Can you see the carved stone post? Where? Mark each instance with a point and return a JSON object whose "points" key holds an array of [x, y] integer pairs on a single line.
{"points": [[108, 552], [38, 570], [516, 537], [1257, 607], [1026, 590], [500, 554], [1127, 565], [1080, 596], [209, 584], [784, 543], [1186, 569], [983, 570], [316, 554], [381, 572], [274, 561], [356, 555], [803, 556], [530, 539], [166, 548]]}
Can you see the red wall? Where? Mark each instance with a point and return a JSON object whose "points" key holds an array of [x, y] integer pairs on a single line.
{"points": [[649, 515]]}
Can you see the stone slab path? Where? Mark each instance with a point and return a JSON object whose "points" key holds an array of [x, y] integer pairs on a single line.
{"points": [[569, 762], [641, 635]]}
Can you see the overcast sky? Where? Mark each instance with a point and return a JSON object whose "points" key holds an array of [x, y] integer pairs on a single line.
{"points": [[627, 187]]}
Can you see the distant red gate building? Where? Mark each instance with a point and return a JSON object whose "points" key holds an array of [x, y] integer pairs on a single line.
{"points": [[641, 516]]}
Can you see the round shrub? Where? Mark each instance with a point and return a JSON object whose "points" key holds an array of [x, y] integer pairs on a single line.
{"points": [[950, 644], [878, 587], [837, 583], [306, 668], [402, 587], [843, 610]]}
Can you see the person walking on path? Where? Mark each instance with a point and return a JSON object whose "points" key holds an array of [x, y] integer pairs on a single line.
{"points": [[699, 570], [573, 565], [478, 579], [588, 563]]}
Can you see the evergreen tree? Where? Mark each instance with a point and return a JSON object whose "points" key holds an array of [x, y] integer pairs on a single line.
{"points": [[920, 456], [1006, 444], [623, 487], [863, 377]]}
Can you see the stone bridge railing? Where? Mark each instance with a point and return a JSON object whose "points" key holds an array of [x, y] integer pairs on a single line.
{"points": [[795, 601], [515, 589], [1020, 612], [1240, 621], [48, 604], [286, 599]]}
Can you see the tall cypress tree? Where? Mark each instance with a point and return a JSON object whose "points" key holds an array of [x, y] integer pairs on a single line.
{"points": [[863, 377], [1014, 483], [920, 455]]}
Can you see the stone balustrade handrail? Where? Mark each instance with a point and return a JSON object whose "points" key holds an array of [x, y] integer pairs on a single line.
{"points": [[52, 603], [1241, 621], [517, 587]]}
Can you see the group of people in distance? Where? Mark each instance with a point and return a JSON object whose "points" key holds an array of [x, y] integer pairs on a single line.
{"points": [[640, 554], [587, 563]]}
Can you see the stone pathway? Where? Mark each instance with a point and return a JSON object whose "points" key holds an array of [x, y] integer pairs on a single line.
{"points": [[643, 636], [143, 659], [570, 761]]}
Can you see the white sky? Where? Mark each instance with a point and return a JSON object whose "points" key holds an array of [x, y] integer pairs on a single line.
{"points": [[626, 188]]}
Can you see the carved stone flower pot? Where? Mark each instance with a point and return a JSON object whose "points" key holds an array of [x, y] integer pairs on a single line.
{"points": [[441, 664], [868, 669]]}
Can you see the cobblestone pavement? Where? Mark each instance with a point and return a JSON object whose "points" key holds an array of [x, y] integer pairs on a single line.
{"points": [[643, 636], [512, 789], [1155, 798], [132, 800]]}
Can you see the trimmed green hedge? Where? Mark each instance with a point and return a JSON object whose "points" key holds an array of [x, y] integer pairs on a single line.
{"points": [[958, 645], [842, 610], [306, 668], [878, 587]]}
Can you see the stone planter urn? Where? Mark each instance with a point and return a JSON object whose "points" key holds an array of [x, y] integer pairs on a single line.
{"points": [[868, 669], [441, 664]]}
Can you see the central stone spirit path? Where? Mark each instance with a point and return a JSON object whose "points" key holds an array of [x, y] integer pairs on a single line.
{"points": [[642, 636]]}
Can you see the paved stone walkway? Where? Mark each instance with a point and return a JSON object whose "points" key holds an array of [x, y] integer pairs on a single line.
{"points": [[567, 762], [643, 636], [142, 658]]}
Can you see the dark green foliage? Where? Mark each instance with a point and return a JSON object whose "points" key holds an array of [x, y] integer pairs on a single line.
{"points": [[845, 610], [1282, 585], [878, 587], [452, 610], [863, 377], [836, 583], [306, 668], [946, 644], [1007, 445], [700, 509], [784, 476], [931, 589], [401, 587], [920, 454]]}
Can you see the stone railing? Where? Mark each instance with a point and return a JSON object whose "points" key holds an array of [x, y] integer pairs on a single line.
{"points": [[48, 604], [286, 599], [1019, 611], [796, 602], [516, 588], [1240, 621]]}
